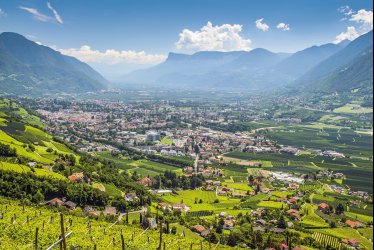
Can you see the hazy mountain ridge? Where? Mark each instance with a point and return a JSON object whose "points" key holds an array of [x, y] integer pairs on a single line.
{"points": [[254, 70], [29, 68]]}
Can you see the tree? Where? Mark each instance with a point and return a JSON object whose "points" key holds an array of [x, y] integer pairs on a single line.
{"points": [[282, 223], [339, 209], [38, 197]]}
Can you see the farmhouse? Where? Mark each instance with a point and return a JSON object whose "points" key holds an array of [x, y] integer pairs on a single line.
{"points": [[76, 177], [198, 229], [70, 205], [351, 242], [131, 197], [182, 207], [353, 224], [55, 202], [89, 210], [323, 207], [110, 211]]}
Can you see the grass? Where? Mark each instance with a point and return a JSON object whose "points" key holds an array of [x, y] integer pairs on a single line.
{"points": [[360, 217], [166, 141], [112, 190], [271, 204], [311, 219], [26, 169], [353, 109]]}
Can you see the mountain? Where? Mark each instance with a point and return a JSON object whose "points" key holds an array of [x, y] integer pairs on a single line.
{"points": [[258, 69], [343, 58], [29, 68], [211, 69], [304, 60], [357, 74]]}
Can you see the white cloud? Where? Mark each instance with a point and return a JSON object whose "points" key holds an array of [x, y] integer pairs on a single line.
{"points": [[111, 56], [261, 25], [2, 13], [364, 17], [55, 13], [350, 34], [346, 10], [283, 26], [37, 15], [226, 37]]}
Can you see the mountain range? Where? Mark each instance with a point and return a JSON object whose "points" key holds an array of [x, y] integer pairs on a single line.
{"points": [[260, 69], [27, 67]]}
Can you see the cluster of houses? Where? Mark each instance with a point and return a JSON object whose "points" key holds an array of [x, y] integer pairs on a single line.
{"points": [[89, 210]]}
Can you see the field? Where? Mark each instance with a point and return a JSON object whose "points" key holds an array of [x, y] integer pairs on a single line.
{"points": [[85, 232], [142, 167], [347, 233], [358, 171], [353, 109]]}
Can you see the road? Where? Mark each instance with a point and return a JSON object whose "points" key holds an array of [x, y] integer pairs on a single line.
{"points": [[143, 211]]}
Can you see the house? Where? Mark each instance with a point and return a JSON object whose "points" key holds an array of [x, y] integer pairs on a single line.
{"points": [[55, 202], [146, 182], [76, 177], [353, 224], [324, 207], [295, 214], [131, 197], [110, 211], [198, 229], [351, 242], [216, 183], [292, 201], [70, 205], [282, 199], [152, 223], [283, 246], [222, 193], [89, 210], [229, 225], [182, 207], [164, 206]]}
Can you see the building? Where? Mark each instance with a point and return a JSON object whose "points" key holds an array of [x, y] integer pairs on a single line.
{"points": [[76, 177], [353, 224], [181, 207], [153, 136], [324, 207], [108, 211], [55, 202], [351, 242]]}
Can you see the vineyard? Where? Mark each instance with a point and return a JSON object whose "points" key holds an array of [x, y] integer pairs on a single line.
{"points": [[18, 225], [199, 213], [327, 240]]}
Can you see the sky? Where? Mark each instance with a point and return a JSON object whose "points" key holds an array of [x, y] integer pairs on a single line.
{"points": [[118, 36]]}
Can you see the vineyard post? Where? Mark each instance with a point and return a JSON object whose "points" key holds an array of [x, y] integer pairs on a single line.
{"points": [[36, 238], [201, 245], [164, 245], [122, 242], [159, 245], [63, 231]]}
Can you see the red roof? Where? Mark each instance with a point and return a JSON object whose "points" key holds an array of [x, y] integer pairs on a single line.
{"points": [[353, 223], [323, 206]]}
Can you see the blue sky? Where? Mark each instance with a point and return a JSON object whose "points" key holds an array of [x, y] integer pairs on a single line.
{"points": [[116, 36]]}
